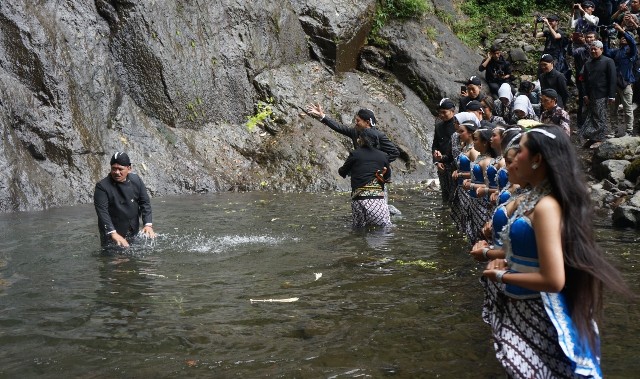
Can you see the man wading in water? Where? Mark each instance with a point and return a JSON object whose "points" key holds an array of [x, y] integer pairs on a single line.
{"points": [[120, 199], [364, 119]]}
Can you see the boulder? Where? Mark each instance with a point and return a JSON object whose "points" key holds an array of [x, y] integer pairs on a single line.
{"points": [[598, 194], [518, 55], [632, 171], [617, 148], [431, 65], [635, 200], [337, 30], [626, 216], [611, 169]]}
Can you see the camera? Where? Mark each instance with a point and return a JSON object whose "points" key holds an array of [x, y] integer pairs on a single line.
{"points": [[607, 31], [539, 19]]}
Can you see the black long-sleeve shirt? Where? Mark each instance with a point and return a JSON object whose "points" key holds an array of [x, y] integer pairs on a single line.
{"points": [[599, 78], [442, 140], [385, 144], [556, 80], [120, 205], [496, 68], [362, 164]]}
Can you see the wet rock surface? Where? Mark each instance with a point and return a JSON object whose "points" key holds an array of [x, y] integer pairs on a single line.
{"points": [[175, 84], [614, 165]]}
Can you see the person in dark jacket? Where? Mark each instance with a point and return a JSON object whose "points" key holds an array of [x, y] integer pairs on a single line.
{"points": [[498, 69], [550, 78], [598, 79], [473, 92], [120, 200], [580, 52], [441, 149], [555, 42], [369, 170], [364, 119], [624, 57]]}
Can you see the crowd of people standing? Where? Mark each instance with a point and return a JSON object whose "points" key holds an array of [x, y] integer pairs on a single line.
{"points": [[510, 173], [593, 65]]}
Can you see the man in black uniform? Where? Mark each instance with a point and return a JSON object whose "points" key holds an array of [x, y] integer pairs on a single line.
{"points": [[120, 199], [441, 147], [364, 119]]}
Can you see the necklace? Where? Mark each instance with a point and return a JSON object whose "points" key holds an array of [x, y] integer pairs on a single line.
{"points": [[479, 158], [529, 201]]}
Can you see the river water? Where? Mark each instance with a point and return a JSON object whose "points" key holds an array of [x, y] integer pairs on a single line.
{"points": [[401, 303]]}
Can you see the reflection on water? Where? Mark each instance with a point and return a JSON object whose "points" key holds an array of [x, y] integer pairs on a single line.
{"points": [[402, 302]]}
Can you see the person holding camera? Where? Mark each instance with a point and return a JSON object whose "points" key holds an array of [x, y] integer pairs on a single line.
{"points": [[555, 42], [498, 70], [624, 57], [583, 20], [627, 13]]}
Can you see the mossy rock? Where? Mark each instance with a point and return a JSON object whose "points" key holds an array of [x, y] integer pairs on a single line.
{"points": [[632, 171]]}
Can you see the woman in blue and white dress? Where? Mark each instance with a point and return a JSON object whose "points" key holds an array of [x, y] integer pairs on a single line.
{"points": [[491, 246], [479, 209], [461, 200], [543, 300]]}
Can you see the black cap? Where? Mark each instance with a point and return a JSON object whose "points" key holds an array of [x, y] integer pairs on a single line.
{"points": [[474, 80], [549, 92], [473, 105], [446, 103], [546, 58], [588, 4], [120, 158], [367, 115], [552, 17]]}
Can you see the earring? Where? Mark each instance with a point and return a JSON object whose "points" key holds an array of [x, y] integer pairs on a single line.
{"points": [[534, 166]]}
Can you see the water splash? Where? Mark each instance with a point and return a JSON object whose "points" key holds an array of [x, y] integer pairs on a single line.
{"points": [[202, 243]]}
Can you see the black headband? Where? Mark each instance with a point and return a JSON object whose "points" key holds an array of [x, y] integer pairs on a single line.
{"points": [[120, 158]]}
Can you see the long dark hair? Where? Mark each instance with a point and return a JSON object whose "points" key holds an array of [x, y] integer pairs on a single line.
{"points": [[368, 138], [586, 268], [485, 135]]}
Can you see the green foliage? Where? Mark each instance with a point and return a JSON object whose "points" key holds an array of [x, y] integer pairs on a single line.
{"points": [[482, 14], [397, 9], [263, 114]]}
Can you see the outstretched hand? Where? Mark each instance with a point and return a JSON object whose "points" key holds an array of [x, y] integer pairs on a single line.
{"points": [[315, 110]]}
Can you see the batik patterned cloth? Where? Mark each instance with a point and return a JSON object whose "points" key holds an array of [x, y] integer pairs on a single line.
{"points": [[369, 206], [596, 124], [526, 340]]}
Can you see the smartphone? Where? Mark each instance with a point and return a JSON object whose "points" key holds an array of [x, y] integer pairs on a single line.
{"points": [[463, 89]]}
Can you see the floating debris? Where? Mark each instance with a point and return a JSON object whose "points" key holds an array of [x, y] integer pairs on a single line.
{"points": [[288, 300]]}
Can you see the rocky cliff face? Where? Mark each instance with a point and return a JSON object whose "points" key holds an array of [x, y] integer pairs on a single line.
{"points": [[175, 83]]}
